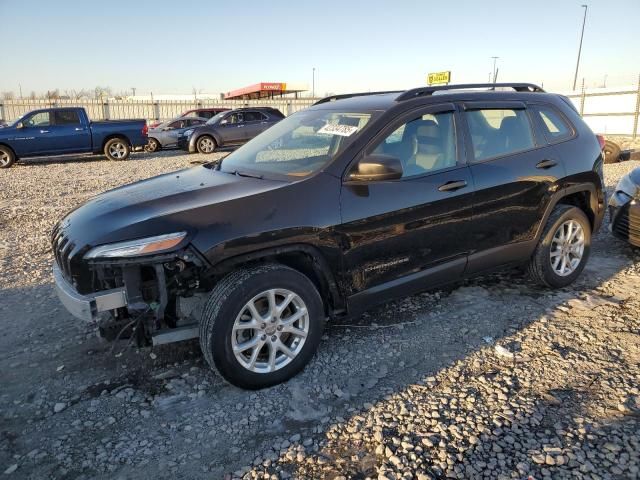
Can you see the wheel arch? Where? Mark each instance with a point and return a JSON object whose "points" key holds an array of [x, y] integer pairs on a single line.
{"points": [[6, 145], [304, 258], [112, 136], [213, 135], [583, 196]]}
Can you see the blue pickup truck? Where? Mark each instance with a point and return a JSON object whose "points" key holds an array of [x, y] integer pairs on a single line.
{"points": [[63, 131]]}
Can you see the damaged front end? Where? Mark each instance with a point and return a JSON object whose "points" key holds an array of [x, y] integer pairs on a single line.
{"points": [[624, 208], [150, 289]]}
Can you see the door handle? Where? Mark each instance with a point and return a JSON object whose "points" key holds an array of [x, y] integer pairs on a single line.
{"points": [[452, 186], [79, 129], [546, 164], [44, 131]]}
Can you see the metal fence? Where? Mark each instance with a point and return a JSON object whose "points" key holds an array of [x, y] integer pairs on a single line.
{"points": [[147, 109], [610, 111]]}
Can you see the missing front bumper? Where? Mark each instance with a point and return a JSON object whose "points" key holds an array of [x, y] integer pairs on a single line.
{"points": [[87, 307]]}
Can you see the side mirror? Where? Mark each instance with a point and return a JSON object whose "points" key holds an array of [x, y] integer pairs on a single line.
{"points": [[377, 167], [19, 125]]}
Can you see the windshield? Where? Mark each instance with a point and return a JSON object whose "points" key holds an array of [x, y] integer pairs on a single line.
{"points": [[215, 118], [299, 145]]}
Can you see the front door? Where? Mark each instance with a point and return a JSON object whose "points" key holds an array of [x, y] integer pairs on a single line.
{"points": [[404, 235], [232, 128], [34, 138], [515, 174]]}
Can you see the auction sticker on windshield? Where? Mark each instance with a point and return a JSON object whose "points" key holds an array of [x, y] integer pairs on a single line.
{"points": [[335, 129]]}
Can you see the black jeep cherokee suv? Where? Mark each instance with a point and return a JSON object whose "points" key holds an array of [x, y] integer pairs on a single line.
{"points": [[349, 203]]}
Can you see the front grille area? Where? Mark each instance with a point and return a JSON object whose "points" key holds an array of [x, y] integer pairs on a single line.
{"points": [[627, 223], [69, 260]]}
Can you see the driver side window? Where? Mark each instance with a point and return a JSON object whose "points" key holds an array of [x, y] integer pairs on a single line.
{"points": [[40, 119], [423, 145]]}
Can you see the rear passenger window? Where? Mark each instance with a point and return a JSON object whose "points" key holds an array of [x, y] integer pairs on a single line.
{"points": [[66, 117], [254, 117], [554, 126], [499, 132]]}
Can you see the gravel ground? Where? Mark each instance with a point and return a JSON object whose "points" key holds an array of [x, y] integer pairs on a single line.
{"points": [[491, 378]]}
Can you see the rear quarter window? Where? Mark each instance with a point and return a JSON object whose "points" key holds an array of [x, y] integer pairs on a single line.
{"points": [[554, 126]]}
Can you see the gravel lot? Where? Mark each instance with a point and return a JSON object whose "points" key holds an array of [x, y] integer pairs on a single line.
{"points": [[493, 378]]}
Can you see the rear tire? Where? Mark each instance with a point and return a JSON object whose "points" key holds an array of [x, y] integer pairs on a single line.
{"points": [[152, 145], [7, 157], [206, 144], [563, 248], [241, 311], [117, 149], [611, 152]]}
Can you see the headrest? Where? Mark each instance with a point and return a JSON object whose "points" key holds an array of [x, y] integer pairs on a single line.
{"points": [[428, 129]]}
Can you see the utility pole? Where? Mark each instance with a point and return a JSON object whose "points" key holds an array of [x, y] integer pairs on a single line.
{"points": [[313, 83], [133, 89], [20, 88], [584, 20]]}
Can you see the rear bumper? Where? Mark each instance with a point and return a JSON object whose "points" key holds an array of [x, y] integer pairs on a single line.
{"points": [[87, 307]]}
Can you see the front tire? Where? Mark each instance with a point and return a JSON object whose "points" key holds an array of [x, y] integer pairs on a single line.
{"points": [[261, 325], [563, 248], [7, 157], [206, 144], [117, 149]]}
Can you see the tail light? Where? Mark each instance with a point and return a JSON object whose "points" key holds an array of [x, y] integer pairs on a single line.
{"points": [[601, 141], [145, 129]]}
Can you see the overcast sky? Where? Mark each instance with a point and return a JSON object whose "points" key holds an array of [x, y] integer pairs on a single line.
{"points": [[216, 46]]}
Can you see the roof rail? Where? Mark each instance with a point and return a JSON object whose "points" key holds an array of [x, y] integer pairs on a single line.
{"points": [[333, 98], [418, 92]]}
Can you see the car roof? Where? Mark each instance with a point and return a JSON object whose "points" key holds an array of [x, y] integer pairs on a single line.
{"points": [[433, 95]]}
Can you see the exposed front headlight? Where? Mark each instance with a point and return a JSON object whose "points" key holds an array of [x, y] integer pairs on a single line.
{"points": [[136, 248], [187, 133]]}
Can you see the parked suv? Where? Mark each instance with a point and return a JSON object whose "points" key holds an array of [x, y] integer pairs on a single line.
{"points": [[229, 129], [354, 201]]}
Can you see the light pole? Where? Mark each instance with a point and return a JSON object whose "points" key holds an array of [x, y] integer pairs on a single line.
{"points": [[494, 68], [20, 87], [584, 20], [313, 83]]}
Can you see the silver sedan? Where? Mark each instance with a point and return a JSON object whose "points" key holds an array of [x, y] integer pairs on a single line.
{"points": [[166, 134]]}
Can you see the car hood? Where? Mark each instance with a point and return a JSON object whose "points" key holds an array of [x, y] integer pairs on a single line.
{"points": [[185, 200]]}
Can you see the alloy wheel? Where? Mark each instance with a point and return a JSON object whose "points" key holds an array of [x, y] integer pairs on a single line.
{"points": [[270, 330], [207, 145], [118, 150], [567, 248]]}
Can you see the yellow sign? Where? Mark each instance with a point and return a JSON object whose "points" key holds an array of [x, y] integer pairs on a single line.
{"points": [[438, 78]]}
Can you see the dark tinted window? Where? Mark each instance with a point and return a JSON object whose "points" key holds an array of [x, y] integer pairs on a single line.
{"points": [[204, 113], [176, 124], [254, 117], [554, 126], [66, 117], [193, 123], [423, 145], [498, 132]]}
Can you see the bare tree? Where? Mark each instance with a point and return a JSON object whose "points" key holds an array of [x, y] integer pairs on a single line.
{"points": [[8, 96], [33, 95], [53, 94], [77, 94], [101, 92]]}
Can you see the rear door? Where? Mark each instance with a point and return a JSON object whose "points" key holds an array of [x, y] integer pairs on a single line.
{"points": [[514, 173], [405, 235], [68, 133]]}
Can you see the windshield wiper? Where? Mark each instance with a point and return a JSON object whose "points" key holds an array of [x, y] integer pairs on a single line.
{"points": [[246, 174]]}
